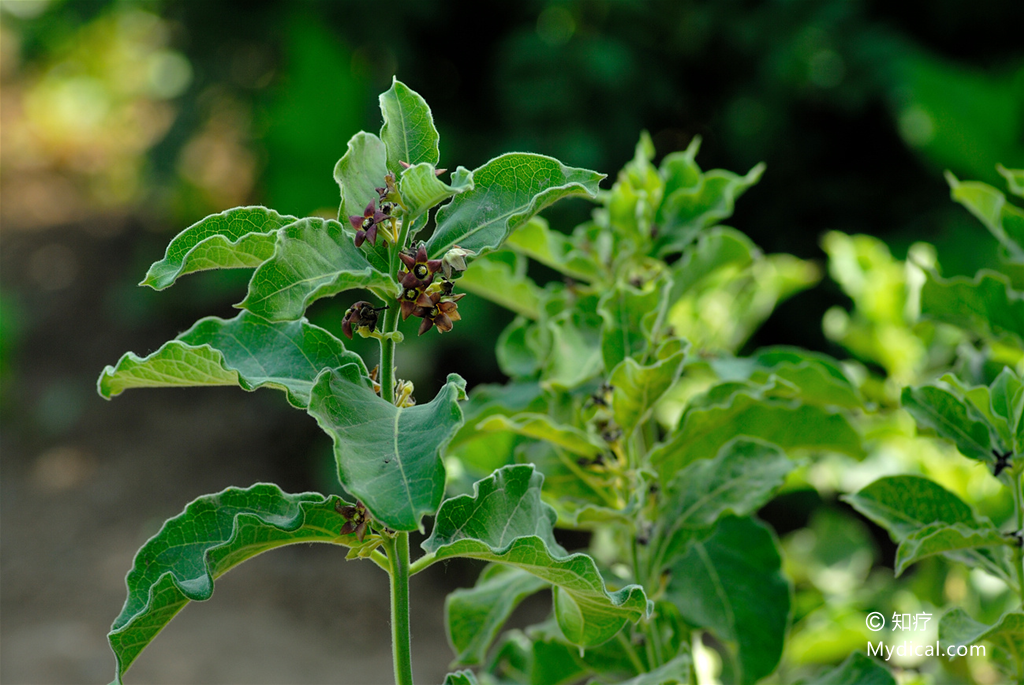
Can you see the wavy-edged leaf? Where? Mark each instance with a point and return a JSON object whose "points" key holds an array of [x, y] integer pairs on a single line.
{"points": [[1004, 220], [732, 584], [741, 478], [904, 505], [986, 304], [314, 258], [475, 615], [633, 318], [570, 347], [508, 190], [940, 538], [359, 173], [246, 351], [637, 388], [211, 536], [542, 427], [238, 238], [505, 521], [857, 669], [388, 457], [673, 672], [421, 188], [791, 426], [466, 677], [537, 241], [500, 277], [408, 130], [522, 348], [957, 629], [952, 417]]}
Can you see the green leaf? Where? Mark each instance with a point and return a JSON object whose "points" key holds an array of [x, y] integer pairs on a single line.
{"points": [[572, 354], [388, 457], [732, 584], [986, 305], [791, 426], [521, 348], [408, 130], [857, 669], [314, 258], [905, 504], [246, 351], [542, 427], [211, 536], [505, 521], [633, 318], [949, 415], [507, 191], [1014, 179], [460, 678], [474, 616], [742, 477], [551, 248], [674, 672], [636, 388], [359, 173], [717, 249], [940, 538], [238, 238], [957, 629], [989, 206], [421, 188], [501, 278]]}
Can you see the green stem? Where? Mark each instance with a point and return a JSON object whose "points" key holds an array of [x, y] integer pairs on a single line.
{"points": [[387, 353], [1018, 551], [634, 658], [401, 646]]}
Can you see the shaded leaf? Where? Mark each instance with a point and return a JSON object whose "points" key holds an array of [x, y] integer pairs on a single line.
{"points": [[1014, 179], [571, 348], [388, 457], [732, 585], [314, 258], [1004, 220], [674, 672], [522, 348], [633, 319], [958, 630], [542, 427], [211, 536], [986, 305], [460, 678], [505, 521], [246, 351], [637, 388], [242, 237], [949, 415], [791, 426], [742, 477], [508, 190], [474, 616], [359, 173], [408, 130], [857, 669], [940, 538]]}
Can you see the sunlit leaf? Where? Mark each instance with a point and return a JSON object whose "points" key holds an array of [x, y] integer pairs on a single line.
{"points": [[242, 237], [986, 305], [1004, 220], [501, 278], [732, 585], [508, 190], [551, 248], [211, 536], [949, 415], [388, 457], [633, 319], [716, 249], [408, 130], [359, 173], [314, 258], [421, 188], [857, 669], [637, 388], [504, 521], [1014, 179], [246, 351], [475, 615]]}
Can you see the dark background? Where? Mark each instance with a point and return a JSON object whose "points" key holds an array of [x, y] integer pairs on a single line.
{"points": [[124, 122]]}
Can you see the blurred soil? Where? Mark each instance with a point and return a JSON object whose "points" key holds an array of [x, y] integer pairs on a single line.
{"points": [[84, 482]]}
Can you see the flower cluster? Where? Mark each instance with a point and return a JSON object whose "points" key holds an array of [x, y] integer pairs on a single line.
{"points": [[433, 302], [367, 225]]}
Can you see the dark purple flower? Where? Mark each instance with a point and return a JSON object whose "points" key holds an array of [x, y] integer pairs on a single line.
{"points": [[420, 270], [366, 225]]}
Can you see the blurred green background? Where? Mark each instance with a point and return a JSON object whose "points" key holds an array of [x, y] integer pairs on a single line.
{"points": [[125, 122]]}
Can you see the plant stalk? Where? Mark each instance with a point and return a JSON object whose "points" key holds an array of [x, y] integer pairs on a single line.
{"points": [[401, 644], [1018, 551]]}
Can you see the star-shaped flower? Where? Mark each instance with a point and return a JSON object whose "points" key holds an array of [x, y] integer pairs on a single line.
{"points": [[421, 270], [366, 225]]}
